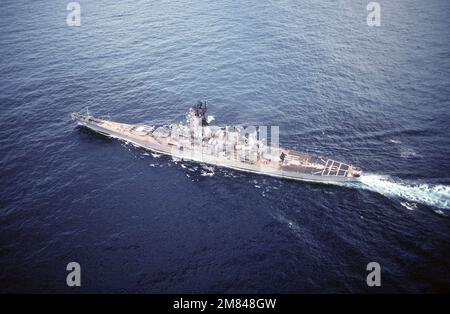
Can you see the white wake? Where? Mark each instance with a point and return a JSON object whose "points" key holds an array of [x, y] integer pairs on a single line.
{"points": [[437, 195]]}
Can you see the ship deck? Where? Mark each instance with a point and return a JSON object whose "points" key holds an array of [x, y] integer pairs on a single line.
{"points": [[294, 163]]}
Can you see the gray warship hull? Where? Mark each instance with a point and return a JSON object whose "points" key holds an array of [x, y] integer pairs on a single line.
{"points": [[297, 166]]}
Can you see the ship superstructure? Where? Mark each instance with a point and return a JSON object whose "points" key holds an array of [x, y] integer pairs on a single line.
{"points": [[232, 147]]}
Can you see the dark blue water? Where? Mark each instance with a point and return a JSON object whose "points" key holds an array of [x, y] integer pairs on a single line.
{"points": [[378, 97]]}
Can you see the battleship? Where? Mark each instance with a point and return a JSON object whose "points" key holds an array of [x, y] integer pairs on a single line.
{"points": [[230, 147]]}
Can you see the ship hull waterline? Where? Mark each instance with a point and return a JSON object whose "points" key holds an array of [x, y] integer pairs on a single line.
{"points": [[213, 161]]}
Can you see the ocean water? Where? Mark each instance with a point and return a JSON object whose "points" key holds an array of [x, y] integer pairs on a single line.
{"points": [[377, 97]]}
